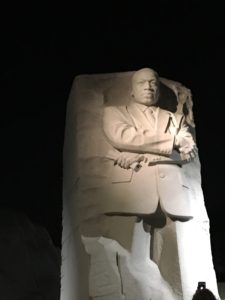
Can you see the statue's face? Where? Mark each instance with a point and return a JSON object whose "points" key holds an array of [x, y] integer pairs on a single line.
{"points": [[145, 87]]}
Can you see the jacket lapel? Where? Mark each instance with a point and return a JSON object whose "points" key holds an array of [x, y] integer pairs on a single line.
{"points": [[163, 119], [139, 118]]}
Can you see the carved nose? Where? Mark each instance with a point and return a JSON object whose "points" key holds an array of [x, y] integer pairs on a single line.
{"points": [[148, 86]]}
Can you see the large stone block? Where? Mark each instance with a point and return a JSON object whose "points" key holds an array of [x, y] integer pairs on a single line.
{"points": [[122, 256]]}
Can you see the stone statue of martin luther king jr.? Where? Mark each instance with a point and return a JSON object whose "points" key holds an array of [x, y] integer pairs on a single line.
{"points": [[143, 254]]}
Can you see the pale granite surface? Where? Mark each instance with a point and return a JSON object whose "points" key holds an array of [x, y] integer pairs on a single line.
{"points": [[120, 247]]}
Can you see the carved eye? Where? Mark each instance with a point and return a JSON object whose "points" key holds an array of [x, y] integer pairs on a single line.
{"points": [[141, 82]]}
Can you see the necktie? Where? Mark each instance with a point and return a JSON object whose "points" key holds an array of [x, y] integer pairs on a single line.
{"points": [[149, 112]]}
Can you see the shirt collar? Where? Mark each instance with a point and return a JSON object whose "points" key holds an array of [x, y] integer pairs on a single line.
{"points": [[143, 107]]}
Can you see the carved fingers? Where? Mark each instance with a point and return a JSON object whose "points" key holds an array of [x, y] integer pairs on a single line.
{"points": [[188, 152], [126, 159], [186, 145]]}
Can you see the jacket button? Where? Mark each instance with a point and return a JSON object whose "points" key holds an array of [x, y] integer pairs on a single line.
{"points": [[162, 175]]}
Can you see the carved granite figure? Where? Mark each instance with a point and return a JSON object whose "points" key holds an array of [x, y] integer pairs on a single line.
{"points": [[132, 189]]}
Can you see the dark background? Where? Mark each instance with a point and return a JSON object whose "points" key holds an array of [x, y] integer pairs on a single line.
{"points": [[45, 46]]}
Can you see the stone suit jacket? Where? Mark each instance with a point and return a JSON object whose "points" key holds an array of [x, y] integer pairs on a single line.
{"points": [[161, 180]]}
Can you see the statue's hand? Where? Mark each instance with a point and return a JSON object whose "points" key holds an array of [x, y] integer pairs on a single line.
{"points": [[186, 145], [183, 139], [126, 159], [188, 154]]}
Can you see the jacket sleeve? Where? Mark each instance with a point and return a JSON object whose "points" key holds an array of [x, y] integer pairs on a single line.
{"points": [[184, 132], [124, 136]]}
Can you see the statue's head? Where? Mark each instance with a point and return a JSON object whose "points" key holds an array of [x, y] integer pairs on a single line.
{"points": [[145, 86]]}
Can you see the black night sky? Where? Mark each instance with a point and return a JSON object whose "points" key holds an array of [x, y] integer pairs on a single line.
{"points": [[46, 46]]}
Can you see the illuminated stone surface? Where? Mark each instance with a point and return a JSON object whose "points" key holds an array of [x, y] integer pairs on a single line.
{"points": [[123, 256]]}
